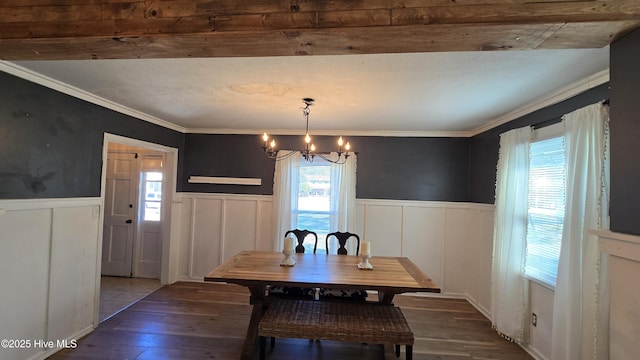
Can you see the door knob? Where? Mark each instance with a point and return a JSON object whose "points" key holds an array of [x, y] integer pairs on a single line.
{"points": [[129, 221]]}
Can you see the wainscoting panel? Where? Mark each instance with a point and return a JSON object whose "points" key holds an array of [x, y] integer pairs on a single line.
{"points": [[220, 226], [264, 242], [622, 264], [457, 250], [207, 229], [480, 256], [72, 288], [239, 234], [383, 227], [423, 239], [24, 270], [49, 256], [181, 229]]}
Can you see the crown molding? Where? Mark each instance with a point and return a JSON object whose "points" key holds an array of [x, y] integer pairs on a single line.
{"points": [[300, 132], [556, 97], [70, 90]]}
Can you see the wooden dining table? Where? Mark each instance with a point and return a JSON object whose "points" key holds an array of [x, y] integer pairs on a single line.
{"points": [[258, 269]]}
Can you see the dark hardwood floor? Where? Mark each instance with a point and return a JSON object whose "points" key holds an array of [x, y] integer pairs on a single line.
{"points": [[209, 321]]}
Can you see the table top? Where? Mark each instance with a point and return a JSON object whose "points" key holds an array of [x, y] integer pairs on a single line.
{"points": [[393, 274]]}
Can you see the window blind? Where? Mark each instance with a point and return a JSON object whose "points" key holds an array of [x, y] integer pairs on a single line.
{"points": [[545, 216]]}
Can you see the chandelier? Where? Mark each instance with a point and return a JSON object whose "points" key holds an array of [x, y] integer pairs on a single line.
{"points": [[309, 152]]}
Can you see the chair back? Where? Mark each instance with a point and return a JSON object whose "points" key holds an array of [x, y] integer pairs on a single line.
{"points": [[342, 241], [300, 236]]}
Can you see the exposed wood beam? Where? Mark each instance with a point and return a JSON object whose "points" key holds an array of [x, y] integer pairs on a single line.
{"points": [[102, 29]]}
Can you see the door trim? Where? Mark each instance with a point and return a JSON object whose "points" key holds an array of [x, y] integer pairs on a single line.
{"points": [[168, 274]]}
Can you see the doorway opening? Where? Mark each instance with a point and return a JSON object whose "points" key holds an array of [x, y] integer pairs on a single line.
{"points": [[138, 185]]}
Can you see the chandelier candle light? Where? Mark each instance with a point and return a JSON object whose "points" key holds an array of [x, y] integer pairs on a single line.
{"points": [[309, 152]]}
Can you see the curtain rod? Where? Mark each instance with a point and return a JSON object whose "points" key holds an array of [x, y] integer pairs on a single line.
{"points": [[550, 122]]}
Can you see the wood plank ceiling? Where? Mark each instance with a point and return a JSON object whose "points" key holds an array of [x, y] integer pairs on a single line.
{"points": [[129, 29]]}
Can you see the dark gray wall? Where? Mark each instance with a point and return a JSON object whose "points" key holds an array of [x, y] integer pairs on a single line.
{"points": [[625, 134], [388, 167], [51, 143], [226, 156], [483, 148], [435, 169]]}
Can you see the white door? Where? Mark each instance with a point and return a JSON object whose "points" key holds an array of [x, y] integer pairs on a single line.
{"points": [[148, 255], [120, 214]]}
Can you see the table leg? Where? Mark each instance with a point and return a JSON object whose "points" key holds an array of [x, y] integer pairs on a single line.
{"points": [[257, 300], [385, 297]]}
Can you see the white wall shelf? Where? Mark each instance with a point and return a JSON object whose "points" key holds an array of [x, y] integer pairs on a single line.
{"points": [[224, 180]]}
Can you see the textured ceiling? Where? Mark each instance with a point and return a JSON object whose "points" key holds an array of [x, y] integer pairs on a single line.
{"points": [[355, 94]]}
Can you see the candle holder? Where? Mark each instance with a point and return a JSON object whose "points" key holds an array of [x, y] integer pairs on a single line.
{"points": [[288, 258], [364, 263]]}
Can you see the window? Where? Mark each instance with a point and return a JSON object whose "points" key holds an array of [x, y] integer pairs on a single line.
{"points": [[319, 196], [546, 204], [314, 201], [152, 187]]}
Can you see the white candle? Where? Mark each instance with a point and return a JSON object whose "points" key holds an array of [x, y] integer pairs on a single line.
{"points": [[365, 248], [288, 244]]}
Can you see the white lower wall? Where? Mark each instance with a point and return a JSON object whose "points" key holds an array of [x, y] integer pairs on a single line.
{"points": [[451, 242], [48, 271], [49, 254], [539, 336], [214, 227], [622, 262]]}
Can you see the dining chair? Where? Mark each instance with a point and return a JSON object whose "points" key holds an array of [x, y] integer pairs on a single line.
{"points": [[357, 295], [300, 236], [342, 238]]}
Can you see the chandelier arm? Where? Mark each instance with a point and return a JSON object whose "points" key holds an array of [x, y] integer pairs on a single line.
{"points": [[276, 157], [339, 161]]}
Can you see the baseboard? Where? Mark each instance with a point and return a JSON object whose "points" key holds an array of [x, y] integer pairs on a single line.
{"points": [[71, 341], [478, 307], [533, 352]]}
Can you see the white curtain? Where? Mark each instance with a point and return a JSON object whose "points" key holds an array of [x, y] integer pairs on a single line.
{"points": [[579, 326], [343, 198], [285, 195], [343, 194], [508, 291]]}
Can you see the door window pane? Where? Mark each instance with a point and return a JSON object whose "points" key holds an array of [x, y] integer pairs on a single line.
{"points": [[152, 185]]}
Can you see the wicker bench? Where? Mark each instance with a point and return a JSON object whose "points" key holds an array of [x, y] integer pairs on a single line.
{"points": [[369, 323]]}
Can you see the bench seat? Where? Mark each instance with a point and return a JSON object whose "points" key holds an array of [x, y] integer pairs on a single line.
{"points": [[368, 322]]}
